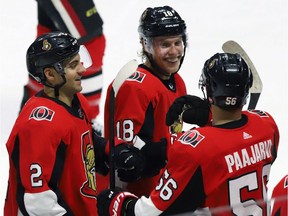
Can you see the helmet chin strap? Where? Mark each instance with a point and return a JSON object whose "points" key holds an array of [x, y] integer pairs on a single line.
{"points": [[157, 67], [56, 87]]}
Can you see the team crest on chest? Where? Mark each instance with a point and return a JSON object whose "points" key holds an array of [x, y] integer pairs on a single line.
{"points": [[191, 137], [137, 76], [42, 113]]}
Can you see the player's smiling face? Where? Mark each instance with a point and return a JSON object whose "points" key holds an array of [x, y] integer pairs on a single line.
{"points": [[167, 52], [73, 74]]}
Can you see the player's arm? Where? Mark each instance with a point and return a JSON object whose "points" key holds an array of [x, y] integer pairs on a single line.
{"points": [[134, 122], [189, 109], [175, 187], [141, 160], [280, 196], [36, 162], [54, 14], [63, 14], [131, 161], [267, 118]]}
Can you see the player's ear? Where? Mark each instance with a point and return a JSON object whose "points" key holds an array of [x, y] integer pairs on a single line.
{"points": [[50, 74]]}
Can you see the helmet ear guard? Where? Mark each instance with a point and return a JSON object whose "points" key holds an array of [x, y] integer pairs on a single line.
{"points": [[227, 80]]}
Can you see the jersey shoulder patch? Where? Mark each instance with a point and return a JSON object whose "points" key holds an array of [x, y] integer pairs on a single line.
{"points": [[191, 137], [259, 112], [137, 76], [41, 113]]}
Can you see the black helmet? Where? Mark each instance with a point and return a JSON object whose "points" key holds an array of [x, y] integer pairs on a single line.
{"points": [[227, 79], [50, 50], [161, 21]]}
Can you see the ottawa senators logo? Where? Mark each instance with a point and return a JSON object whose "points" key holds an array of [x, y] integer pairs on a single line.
{"points": [[46, 45], [89, 186], [42, 113], [137, 76], [192, 137]]}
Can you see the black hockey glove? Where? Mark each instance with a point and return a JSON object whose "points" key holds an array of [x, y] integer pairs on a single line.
{"points": [[101, 159], [192, 109], [129, 162], [132, 164], [115, 202]]}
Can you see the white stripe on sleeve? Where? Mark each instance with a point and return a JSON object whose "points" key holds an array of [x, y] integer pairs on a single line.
{"points": [[43, 203]]}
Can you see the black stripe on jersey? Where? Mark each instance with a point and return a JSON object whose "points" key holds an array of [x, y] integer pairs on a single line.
{"points": [[274, 149], [20, 189], [56, 174], [278, 212], [146, 131]]}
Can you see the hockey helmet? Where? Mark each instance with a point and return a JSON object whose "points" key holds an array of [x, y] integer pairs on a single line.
{"points": [[227, 79], [161, 21], [50, 50]]}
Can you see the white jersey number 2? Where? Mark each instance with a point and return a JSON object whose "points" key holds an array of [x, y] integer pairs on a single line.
{"points": [[36, 173]]}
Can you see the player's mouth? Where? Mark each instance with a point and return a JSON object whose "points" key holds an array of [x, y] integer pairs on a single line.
{"points": [[172, 60], [78, 80]]}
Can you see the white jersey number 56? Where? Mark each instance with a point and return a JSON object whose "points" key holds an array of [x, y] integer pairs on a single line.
{"points": [[249, 181]]}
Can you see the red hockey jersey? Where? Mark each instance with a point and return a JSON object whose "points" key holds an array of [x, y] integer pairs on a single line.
{"points": [[218, 170], [51, 160], [280, 196], [140, 109]]}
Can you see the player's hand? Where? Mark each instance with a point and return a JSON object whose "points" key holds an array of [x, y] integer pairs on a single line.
{"points": [[190, 109], [129, 162], [110, 202]]}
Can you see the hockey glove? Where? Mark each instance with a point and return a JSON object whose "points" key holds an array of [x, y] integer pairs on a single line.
{"points": [[129, 162], [101, 159], [115, 202], [132, 164], [192, 110]]}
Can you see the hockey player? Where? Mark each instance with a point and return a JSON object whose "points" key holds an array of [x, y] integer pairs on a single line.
{"points": [[51, 152], [280, 196], [144, 98], [220, 169], [82, 20]]}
